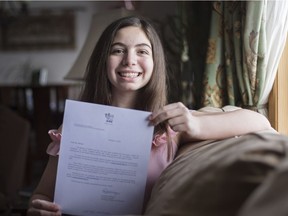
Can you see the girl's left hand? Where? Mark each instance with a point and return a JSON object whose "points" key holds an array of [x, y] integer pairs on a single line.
{"points": [[43, 207], [179, 118]]}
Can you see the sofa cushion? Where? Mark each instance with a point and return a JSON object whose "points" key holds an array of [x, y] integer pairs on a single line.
{"points": [[216, 177]]}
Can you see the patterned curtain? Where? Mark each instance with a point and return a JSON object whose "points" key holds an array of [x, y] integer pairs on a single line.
{"points": [[232, 69]]}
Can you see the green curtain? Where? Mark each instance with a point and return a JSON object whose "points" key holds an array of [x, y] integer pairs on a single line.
{"points": [[226, 42]]}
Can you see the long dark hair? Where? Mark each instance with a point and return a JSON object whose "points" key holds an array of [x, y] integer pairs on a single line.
{"points": [[97, 88]]}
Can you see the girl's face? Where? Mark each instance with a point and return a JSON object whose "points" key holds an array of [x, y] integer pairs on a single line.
{"points": [[130, 62]]}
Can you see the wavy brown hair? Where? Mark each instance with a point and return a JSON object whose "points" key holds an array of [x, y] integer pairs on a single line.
{"points": [[97, 88]]}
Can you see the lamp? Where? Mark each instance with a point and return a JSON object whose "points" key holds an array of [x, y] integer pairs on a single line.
{"points": [[99, 22]]}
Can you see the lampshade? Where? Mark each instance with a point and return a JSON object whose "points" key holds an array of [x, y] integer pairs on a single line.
{"points": [[99, 22]]}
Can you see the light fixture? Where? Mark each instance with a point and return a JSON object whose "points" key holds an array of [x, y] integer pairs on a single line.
{"points": [[99, 22]]}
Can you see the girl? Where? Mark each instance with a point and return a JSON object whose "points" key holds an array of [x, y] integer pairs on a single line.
{"points": [[127, 69]]}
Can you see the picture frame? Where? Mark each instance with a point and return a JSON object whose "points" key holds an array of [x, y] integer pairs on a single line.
{"points": [[39, 32]]}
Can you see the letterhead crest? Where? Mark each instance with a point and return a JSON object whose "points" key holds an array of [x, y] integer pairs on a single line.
{"points": [[109, 118]]}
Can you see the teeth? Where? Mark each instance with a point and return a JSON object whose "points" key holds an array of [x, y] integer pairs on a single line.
{"points": [[129, 75]]}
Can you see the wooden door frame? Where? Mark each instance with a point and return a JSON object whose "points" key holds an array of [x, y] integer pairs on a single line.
{"points": [[278, 99]]}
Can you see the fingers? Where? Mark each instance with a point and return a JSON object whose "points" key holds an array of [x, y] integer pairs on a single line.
{"points": [[55, 135], [179, 123], [42, 207], [175, 114], [45, 205]]}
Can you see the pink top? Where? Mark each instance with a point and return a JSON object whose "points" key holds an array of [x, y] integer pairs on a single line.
{"points": [[158, 157]]}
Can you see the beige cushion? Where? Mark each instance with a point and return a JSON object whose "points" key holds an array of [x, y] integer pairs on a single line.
{"points": [[217, 177], [227, 108]]}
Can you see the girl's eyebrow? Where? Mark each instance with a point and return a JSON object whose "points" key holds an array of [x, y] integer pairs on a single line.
{"points": [[137, 45]]}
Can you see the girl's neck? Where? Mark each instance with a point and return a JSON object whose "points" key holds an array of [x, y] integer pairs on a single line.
{"points": [[124, 100]]}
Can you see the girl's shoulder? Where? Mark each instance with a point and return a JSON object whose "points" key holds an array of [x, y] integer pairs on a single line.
{"points": [[162, 139]]}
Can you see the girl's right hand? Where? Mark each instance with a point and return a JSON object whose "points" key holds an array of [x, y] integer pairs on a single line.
{"points": [[40, 207]]}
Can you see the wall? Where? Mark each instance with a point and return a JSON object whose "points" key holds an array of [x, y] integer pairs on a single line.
{"points": [[13, 65]]}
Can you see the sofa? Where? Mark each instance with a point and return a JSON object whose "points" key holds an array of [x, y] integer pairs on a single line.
{"points": [[237, 176], [14, 147]]}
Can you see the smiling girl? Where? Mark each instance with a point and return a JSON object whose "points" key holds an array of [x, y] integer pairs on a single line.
{"points": [[127, 69]]}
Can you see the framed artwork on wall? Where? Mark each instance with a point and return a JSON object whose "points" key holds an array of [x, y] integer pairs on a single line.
{"points": [[39, 32]]}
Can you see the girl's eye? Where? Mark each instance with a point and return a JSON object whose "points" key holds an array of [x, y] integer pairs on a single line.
{"points": [[143, 52], [117, 51]]}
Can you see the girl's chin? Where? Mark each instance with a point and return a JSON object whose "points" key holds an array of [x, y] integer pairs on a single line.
{"points": [[130, 88]]}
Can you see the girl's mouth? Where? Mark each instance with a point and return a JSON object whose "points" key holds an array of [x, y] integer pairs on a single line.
{"points": [[129, 74]]}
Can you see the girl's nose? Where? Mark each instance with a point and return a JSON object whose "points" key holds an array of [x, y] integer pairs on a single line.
{"points": [[129, 59]]}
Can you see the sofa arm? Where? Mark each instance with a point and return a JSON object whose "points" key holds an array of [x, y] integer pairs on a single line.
{"points": [[217, 177]]}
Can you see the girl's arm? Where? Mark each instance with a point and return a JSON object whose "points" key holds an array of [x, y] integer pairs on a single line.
{"points": [[194, 125], [41, 202]]}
